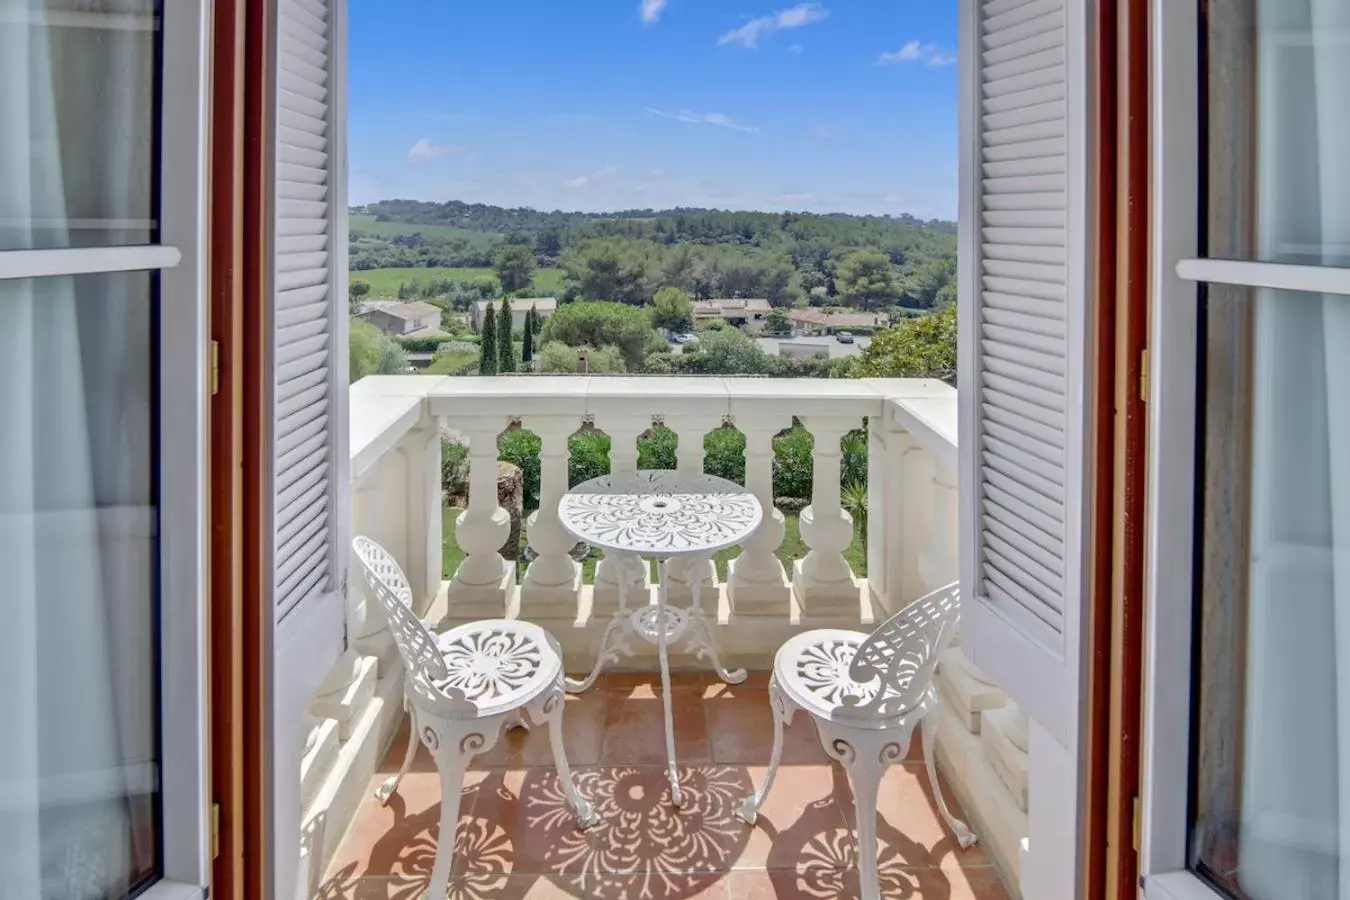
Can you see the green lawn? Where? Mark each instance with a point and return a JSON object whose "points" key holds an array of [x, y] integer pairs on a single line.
{"points": [[792, 549], [385, 282]]}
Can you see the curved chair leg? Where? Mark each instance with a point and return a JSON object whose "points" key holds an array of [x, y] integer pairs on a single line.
{"points": [[454, 744], [864, 772], [390, 785], [964, 835], [783, 710], [551, 710]]}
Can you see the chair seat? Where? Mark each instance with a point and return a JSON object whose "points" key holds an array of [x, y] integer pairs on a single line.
{"points": [[812, 668], [498, 665]]}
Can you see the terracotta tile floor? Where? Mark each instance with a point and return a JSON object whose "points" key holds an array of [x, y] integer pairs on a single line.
{"points": [[517, 840]]}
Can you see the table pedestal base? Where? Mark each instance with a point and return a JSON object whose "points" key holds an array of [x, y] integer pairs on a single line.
{"points": [[664, 626]]}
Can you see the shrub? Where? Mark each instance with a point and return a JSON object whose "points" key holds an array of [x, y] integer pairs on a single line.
{"points": [[600, 324], [423, 343], [724, 454], [454, 468], [656, 449], [589, 456], [521, 448], [792, 465]]}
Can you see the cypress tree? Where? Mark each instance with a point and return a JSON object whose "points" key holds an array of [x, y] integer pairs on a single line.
{"points": [[487, 342], [506, 348], [527, 345]]}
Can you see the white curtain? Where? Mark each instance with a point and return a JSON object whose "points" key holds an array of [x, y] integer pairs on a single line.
{"points": [[1295, 835], [76, 529]]}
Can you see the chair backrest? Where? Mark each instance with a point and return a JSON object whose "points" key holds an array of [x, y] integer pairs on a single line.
{"points": [[389, 587], [902, 652]]}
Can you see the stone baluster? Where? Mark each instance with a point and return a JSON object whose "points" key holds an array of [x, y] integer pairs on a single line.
{"points": [[484, 585], [686, 570], [615, 568], [918, 471], [552, 584], [757, 585], [938, 563], [823, 582]]}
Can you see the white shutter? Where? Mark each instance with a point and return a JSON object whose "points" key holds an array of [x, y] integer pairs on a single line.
{"points": [[1022, 322], [307, 245]]}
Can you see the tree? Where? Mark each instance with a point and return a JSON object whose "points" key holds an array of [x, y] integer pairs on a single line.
{"points": [[557, 358], [866, 279], [371, 352], [597, 324], [672, 310], [514, 264], [728, 352], [355, 291], [527, 344], [487, 343], [778, 322], [506, 348], [922, 347]]}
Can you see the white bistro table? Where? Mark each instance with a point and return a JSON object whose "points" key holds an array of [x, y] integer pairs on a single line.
{"points": [[664, 515]]}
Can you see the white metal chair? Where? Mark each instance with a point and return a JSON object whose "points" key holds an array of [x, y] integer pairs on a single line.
{"points": [[463, 687], [866, 693]]}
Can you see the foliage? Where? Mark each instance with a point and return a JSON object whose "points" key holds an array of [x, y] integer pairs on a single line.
{"points": [[372, 352], [556, 358], [915, 348], [792, 465], [727, 352], [671, 309], [589, 456], [853, 461], [598, 324], [514, 264], [457, 285], [724, 454], [454, 358], [605, 361], [454, 468], [853, 496], [929, 283], [422, 343], [506, 348], [356, 289], [521, 448], [527, 342], [487, 341], [656, 449], [866, 279], [777, 322]]}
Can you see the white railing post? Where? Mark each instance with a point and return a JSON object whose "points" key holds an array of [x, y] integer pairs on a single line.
{"points": [[684, 571], [552, 584], [615, 568], [917, 473], [757, 584], [484, 585], [888, 552], [422, 499], [938, 562], [823, 582]]}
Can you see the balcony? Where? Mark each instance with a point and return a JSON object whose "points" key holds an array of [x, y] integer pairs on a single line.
{"points": [[513, 842]]}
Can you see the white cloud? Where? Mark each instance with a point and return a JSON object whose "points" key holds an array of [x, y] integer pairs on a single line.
{"points": [[721, 120], [826, 132], [929, 53], [599, 176], [650, 10], [426, 149], [748, 35]]}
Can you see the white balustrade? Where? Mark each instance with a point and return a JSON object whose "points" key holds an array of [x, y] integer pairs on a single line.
{"points": [[552, 585], [684, 572], [757, 584], [823, 582], [617, 569], [938, 561], [484, 585]]}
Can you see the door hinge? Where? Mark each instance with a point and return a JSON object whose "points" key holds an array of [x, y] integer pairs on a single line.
{"points": [[215, 830], [1138, 825], [1143, 375], [214, 375]]}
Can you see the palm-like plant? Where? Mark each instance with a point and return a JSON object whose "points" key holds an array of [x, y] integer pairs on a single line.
{"points": [[853, 496]]}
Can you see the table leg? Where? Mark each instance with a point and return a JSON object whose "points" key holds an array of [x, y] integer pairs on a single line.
{"points": [[675, 796], [613, 643], [702, 644]]}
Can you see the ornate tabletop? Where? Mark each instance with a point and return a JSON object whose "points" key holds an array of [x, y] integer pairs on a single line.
{"points": [[660, 513]]}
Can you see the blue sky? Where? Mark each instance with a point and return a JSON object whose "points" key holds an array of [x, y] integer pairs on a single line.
{"points": [[845, 106]]}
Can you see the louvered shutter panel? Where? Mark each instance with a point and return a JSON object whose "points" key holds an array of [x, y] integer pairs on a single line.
{"points": [[307, 244], [1022, 322]]}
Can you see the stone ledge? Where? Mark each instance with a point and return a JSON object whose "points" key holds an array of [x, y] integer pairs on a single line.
{"points": [[963, 693], [317, 763], [1008, 760], [346, 691]]}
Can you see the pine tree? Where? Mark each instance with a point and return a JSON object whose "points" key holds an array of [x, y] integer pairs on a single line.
{"points": [[527, 344], [487, 342], [506, 348]]}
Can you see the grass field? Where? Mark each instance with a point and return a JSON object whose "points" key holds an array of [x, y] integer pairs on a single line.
{"points": [[791, 549], [385, 282]]}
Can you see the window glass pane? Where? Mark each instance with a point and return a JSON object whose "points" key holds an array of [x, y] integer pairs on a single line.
{"points": [[1279, 130], [79, 755], [77, 112]]}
